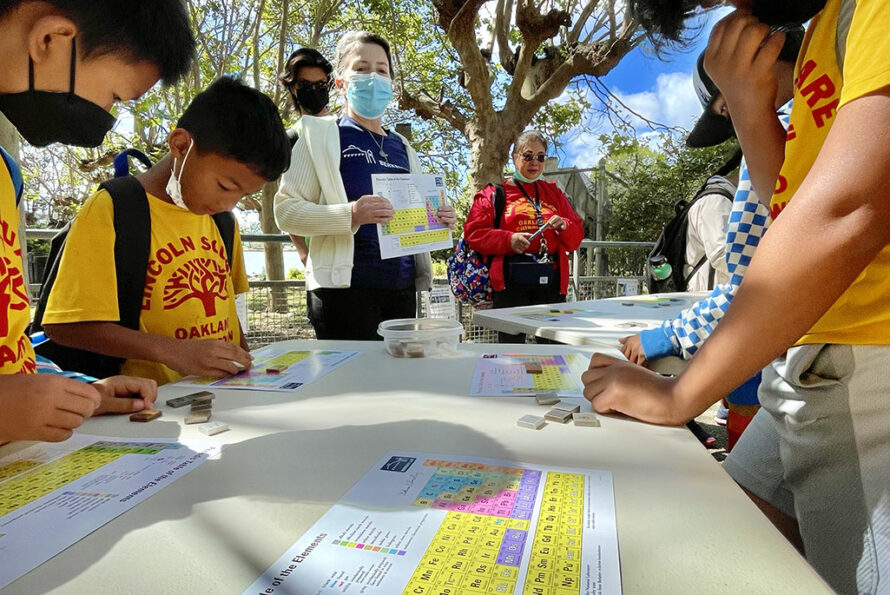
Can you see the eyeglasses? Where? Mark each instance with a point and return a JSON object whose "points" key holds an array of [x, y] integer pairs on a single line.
{"points": [[531, 157]]}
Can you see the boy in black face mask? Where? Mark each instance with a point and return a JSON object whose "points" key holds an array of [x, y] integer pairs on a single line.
{"points": [[65, 63], [815, 296], [307, 78]]}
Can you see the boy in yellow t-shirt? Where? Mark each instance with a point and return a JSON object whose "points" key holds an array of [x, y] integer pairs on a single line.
{"points": [[228, 143], [64, 65], [816, 298]]}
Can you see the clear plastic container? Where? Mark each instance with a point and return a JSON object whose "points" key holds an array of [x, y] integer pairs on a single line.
{"points": [[420, 337]]}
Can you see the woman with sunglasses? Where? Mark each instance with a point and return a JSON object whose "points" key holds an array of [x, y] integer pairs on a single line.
{"points": [[527, 267], [307, 79]]}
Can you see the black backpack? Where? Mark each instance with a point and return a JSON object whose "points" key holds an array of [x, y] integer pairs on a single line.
{"points": [[132, 245], [671, 244]]}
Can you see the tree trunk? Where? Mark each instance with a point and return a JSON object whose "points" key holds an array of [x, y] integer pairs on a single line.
{"points": [[274, 251], [490, 143]]}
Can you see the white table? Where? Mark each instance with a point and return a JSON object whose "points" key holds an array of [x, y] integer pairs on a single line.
{"points": [[599, 322], [684, 526]]}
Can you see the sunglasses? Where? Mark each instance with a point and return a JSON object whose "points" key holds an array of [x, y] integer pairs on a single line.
{"points": [[531, 157], [314, 86]]}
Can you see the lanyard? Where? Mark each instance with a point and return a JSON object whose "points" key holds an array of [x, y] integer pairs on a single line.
{"points": [[536, 204], [543, 255]]}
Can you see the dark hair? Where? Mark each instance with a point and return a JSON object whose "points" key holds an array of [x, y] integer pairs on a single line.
{"points": [[156, 31], [662, 19], [351, 39], [300, 58], [233, 120]]}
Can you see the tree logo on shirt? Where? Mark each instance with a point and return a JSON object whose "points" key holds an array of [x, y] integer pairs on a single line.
{"points": [[200, 278], [12, 293]]}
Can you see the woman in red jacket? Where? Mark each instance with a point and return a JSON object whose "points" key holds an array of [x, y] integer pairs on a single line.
{"points": [[526, 271]]}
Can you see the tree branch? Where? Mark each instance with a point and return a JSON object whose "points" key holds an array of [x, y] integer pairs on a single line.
{"points": [[576, 31], [428, 108], [458, 19]]}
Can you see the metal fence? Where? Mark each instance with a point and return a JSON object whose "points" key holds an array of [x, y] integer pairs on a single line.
{"points": [[276, 310]]}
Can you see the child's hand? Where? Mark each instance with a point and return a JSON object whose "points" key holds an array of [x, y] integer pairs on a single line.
{"points": [[740, 58], [118, 394], [44, 406], [208, 357], [632, 349]]}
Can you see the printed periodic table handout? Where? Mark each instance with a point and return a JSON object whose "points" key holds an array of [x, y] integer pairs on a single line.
{"points": [[415, 227], [53, 495], [428, 524]]}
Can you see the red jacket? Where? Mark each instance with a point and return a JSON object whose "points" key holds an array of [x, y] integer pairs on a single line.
{"points": [[519, 216]]}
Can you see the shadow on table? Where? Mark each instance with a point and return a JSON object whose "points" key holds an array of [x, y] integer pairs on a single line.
{"points": [[265, 468]]}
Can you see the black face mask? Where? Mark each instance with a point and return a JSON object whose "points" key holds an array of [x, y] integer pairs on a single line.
{"points": [[312, 99], [44, 117], [777, 13]]}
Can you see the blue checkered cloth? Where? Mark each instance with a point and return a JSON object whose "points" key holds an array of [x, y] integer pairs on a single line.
{"points": [[748, 220]]}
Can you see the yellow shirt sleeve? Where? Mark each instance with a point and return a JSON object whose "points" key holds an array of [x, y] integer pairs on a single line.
{"points": [[86, 285], [865, 67], [239, 273]]}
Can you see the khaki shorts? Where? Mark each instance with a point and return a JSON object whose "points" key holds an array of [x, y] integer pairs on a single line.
{"points": [[819, 450]]}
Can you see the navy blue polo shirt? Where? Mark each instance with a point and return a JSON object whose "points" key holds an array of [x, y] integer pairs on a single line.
{"points": [[359, 158]]}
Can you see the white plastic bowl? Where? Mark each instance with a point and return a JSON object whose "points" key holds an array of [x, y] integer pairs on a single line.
{"points": [[420, 337]]}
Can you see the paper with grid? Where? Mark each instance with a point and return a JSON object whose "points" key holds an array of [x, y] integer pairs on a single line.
{"points": [[415, 227], [508, 374], [431, 524], [53, 495]]}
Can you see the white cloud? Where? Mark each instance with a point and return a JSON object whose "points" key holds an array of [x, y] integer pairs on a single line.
{"points": [[672, 102]]}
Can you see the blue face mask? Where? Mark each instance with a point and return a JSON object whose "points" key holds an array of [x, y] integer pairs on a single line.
{"points": [[518, 177], [369, 94]]}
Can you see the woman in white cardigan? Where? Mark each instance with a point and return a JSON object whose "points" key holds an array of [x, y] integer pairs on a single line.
{"points": [[326, 195]]}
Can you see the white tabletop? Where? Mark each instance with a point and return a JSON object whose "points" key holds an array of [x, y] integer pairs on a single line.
{"points": [[683, 525], [598, 322]]}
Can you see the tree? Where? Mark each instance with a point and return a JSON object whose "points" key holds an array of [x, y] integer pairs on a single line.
{"points": [[538, 56]]}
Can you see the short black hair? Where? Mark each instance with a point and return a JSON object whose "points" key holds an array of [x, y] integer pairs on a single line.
{"points": [[156, 31], [300, 58], [663, 19], [233, 120]]}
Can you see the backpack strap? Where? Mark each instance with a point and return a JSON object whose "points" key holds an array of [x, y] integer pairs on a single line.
{"points": [[132, 244], [500, 204], [15, 173], [225, 223]]}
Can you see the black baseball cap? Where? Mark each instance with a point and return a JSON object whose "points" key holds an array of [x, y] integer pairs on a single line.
{"points": [[712, 128]]}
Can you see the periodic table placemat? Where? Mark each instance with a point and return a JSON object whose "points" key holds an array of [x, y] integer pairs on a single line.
{"points": [[53, 495], [517, 375], [432, 524]]}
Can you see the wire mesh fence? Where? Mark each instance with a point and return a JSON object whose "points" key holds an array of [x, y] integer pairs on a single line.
{"points": [[276, 310]]}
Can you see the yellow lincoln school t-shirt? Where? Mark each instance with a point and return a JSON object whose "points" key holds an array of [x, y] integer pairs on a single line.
{"points": [[16, 352], [189, 289], [861, 316]]}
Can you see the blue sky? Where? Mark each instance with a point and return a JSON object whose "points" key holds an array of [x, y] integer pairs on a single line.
{"points": [[659, 88]]}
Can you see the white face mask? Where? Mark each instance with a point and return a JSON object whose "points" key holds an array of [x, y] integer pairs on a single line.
{"points": [[174, 185]]}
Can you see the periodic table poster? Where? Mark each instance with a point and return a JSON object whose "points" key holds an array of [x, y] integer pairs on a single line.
{"points": [[55, 494], [414, 228], [430, 524]]}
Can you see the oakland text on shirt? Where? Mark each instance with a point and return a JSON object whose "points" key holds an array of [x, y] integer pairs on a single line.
{"points": [[821, 97], [13, 301], [522, 215], [202, 276]]}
